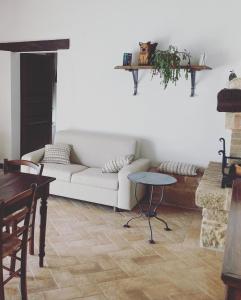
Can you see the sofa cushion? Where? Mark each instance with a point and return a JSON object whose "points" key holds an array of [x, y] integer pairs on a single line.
{"points": [[115, 165], [178, 168], [95, 177], [57, 153], [62, 172]]}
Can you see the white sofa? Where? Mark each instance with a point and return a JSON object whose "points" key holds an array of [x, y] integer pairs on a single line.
{"points": [[83, 179]]}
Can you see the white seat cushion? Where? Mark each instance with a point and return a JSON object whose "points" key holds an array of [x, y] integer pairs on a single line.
{"points": [[95, 177], [62, 172]]}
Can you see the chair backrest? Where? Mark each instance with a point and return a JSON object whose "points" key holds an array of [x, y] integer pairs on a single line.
{"points": [[15, 218], [94, 149], [15, 165]]}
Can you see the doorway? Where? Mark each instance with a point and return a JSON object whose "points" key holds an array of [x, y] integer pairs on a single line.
{"points": [[38, 79]]}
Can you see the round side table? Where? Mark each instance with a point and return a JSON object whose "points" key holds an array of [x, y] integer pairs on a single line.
{"points": [[150, 179]]}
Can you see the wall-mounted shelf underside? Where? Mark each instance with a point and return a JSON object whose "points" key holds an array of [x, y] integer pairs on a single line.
{"points": [[135, 68]]}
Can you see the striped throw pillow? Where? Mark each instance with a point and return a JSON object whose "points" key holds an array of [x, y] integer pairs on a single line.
{"points": [[57, 153], [178, 168], [115, 165]]}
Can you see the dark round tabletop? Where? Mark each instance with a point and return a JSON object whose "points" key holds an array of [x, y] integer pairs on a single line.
{"points": [[151, 178]]}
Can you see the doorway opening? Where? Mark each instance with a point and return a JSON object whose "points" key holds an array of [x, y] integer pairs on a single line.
{"points": [[38, 82]]}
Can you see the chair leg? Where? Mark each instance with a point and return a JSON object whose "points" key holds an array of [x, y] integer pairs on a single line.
{"points": [[12, 263], [2, 297], [31, 240], [13, 257], [23, 280]]}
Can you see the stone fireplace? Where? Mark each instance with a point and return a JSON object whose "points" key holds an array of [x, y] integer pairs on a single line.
{"points": [[214, 200]]}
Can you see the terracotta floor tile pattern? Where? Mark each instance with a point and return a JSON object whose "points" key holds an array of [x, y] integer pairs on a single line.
{"points": [[89, 255]]}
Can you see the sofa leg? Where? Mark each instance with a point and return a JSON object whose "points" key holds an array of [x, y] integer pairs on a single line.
{"points": [[117, 209]]}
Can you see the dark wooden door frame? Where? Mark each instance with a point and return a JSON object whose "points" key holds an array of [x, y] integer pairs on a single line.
{"points": [[32, 46], [38, 73], [35, 46]]}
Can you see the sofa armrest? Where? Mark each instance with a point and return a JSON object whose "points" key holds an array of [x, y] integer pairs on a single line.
{"points": [[35, 156], [126, 197]]}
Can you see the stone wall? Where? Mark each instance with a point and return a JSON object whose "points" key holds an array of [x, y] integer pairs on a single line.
{"points": [[215, 202], [233, 122]]}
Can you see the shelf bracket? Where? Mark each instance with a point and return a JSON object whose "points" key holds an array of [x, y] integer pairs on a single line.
{"points": [[135, 79], [193, 82]]}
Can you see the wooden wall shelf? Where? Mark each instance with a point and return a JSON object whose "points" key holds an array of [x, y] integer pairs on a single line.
{"points": [[135, 68]]}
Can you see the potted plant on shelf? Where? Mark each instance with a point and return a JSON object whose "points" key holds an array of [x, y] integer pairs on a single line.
{"points": [[169, 63]]}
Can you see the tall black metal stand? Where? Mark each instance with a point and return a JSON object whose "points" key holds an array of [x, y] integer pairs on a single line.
{"points": [[150, 213]]}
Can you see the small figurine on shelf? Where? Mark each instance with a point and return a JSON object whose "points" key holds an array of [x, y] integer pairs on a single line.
{"points": [[232, 75], [146, 51]]}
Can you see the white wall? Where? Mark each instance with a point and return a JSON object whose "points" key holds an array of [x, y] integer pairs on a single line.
{"points": [[15, 105], [5, 105], [92, 95], [9, 105]]}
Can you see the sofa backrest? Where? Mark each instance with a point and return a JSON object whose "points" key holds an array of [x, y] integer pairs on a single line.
{"points": [[94, 149]]}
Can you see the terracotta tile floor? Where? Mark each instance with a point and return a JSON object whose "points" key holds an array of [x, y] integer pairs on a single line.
{"points": [[89, 255]]}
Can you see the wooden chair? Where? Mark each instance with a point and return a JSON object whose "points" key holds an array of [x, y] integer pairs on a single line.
{"points": [[16, 239], [14, 166]]}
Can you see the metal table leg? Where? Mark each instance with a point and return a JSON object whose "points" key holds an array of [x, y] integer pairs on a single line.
{"points": [[150, 213], [141, 214], [167, 228], [163, 221]]}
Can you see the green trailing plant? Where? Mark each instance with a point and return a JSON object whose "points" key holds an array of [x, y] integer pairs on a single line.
{"points": [[168, 64]]}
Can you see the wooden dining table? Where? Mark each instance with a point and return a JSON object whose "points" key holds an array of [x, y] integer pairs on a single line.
{"points": [[13, 183]]}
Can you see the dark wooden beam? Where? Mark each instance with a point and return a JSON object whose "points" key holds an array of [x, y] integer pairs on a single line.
{"points": [[231, 273], [31, 46]]}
